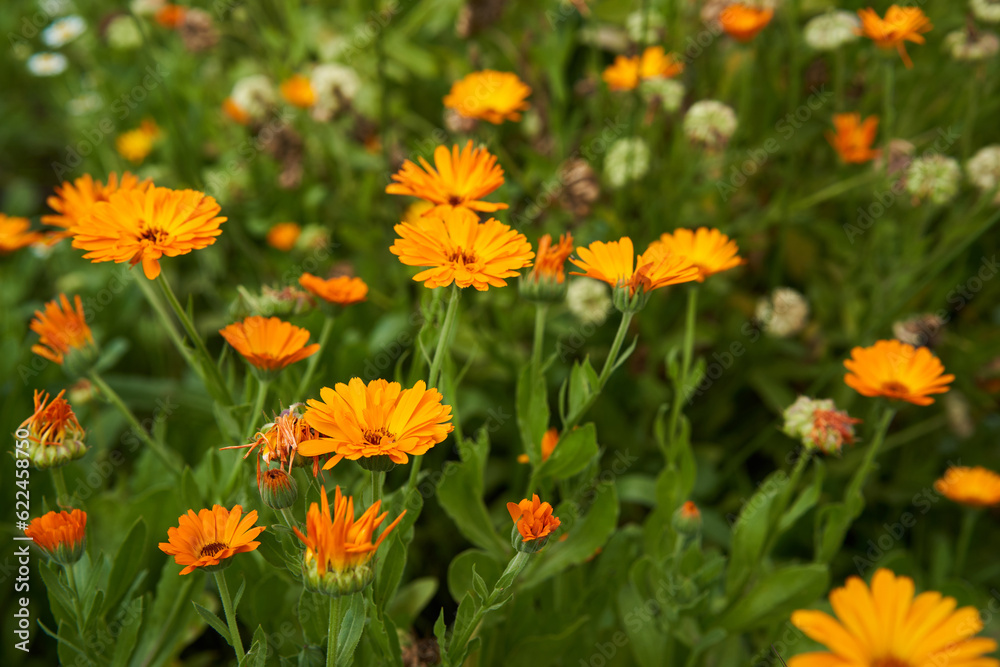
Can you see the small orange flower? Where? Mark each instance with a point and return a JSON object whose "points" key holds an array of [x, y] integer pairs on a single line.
{"points": [[896, 371], [489, 95], [616, 264], [342, 290], [627, 72], [268, 343], [63, 329], [142, 226], [709, 250], [977, 487], [54, 436], [74, 201], [853, 138], [235, 112], [171, 16], [549, 260], [15, 233], [689, 510], [460, 181], [283, 235], [533, 518], [378, 420], [60, 535], [136, 144], [549, 442], [210, 538], [742, 22], [298, 91], [901, 24]]}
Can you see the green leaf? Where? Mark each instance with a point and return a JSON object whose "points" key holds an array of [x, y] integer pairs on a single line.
{"points": [[314, 617], [350, 628], [125, 642], [532, 412], [239, 594], [832, 523], [540, 651], [270, 549], [583, 383], [60, 601], [647, 644], [479, 585], [460, 493], [213, 621], [461, 567], [125, 565], [390, 571], [805, 502], [440, 632], [257, 655], [776, 595], [411, 599], [170, 617], [575, 450], [750, 532]]}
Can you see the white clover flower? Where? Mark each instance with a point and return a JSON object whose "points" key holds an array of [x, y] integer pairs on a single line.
{"points": [[710, 123], [986, 10], [335, 86], [84, 104], [933, 177], [589, 301], [255, 95], [123, 33], [784, 313], [670, 92], [966, 47], [47, 64], [654, 22], [627, 160], [830, 31], [983, 169], [63, 31]]}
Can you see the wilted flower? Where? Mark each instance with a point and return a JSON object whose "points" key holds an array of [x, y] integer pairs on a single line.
{"points": [[986, 10], [668, 92], [652, 22], [254, 95], [580, 187], [197, 30], [896, 371], [853, 138], [976, 487], [627, 160], [475, 15], [298, 91], [269, 344], [742, 22], [933, 177], [210, 538], [283, 235], [47, 64], [15, 233], [625, 73], [533, 523], [589, 301], [784, 313], [60, 535], [710, 123], [901, 24], [983, 169], [919, 330], [818, 424], [489, 95], [63, 31], [968, 46], [709, 250], [55, 437], [830, 31], [63, 332], [136, 144], [335, 86], [123, 33], [279, 441]]}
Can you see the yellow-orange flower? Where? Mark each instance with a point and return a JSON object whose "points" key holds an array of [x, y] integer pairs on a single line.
{"points": [[853, 138], [977, 486], [416, 210], [279, 441], [144, 225], [235, 112], [742, 22], [62, 328], [549, 442], [458, 180], [342, 290], [550, 260], [628, 71], [210, 538], [298, 91], [15, 233], [901, 24], [171, 16], [615, 263], [489, 95], [283, 235], [339, 547], [268, 343], [54, 435], [60, 535], [533, 518], [897, 371], [136, 144], [689, 510], [709, 250], [73, 202], [886, 626], [378, 420], [461, 250]]}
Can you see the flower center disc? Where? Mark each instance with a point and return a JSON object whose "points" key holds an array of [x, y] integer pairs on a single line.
{"points": [[212, 549], [374, 436], [894, 390], [890, 662]]}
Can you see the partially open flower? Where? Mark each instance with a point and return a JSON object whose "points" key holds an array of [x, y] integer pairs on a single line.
{"points": [[533, 523], [15, 233], [976, 487], [687, 519], [64, 334], [283, 235], [340, 291], [853, 138], [60, 535], [819, 425], [210, 538], [55, 437], [277, 488], [546, 280], [269, 344]]}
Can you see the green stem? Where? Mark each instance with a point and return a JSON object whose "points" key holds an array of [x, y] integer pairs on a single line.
{"points": [[59, 482], [969, 517], [888, 109], [77, 611], [227, 604], [154, 300], [838, 79], [287, 517], [333, 632], [324, 335], [970, 115], [681, 390], [378, 481], [858, 481], [258, 407], [541, 310], [456, 647], [155, 445]]}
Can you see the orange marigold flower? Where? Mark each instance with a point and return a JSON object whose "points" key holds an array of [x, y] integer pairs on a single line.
{"points": [[298, 91], [901, 24], [144, 225], [897, 371], [977, 486], [687, 519], [742, 22], [616, 264], [489, 95], [339, 548], [55, 436], [342, 290], [550, 260], [136, 144], [210, 538], [416, 210], [60, 535], [458, 180], [377, 425], [171, 16], [268, 343], [73, 202], [283, 235], [461, 250], [628, 71], [853, 138], [235, 112], [709, 250], [886, 626], [15, 233], [533, 518], [549, 442], [63, 329]]}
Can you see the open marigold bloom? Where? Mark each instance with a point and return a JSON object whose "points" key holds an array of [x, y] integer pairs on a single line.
{"points": [[144, 225], [298, 91], [283, 235], [63, 330], [339, 548], [342, 290], [269, 343], [853, 138], [72, 202], [378, 424], [626, 72], [459, 249], [886, 626], [55, 437], [60, 535], [977, 487], [15, 233], [459, 180], [709, 250], [742, 22], [136, 144], [489, 95], [533, 522], [549, 442], [210, 538], [901, 24], [896, 371]]}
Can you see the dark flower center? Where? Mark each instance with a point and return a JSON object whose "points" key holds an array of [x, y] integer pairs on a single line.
{"points": [[890, 662], [373, 436], [212, 549], [454, 200], [891, 389], [462, 257], [153, 234]]}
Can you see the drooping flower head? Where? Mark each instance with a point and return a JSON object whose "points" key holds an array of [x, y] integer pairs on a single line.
{"points": [[976, 487], [341, 291], [896, 371], [901, 24], [15, 233], [378, 424], [298, 91], [626, 72], [533, 523], [742, 22], [339, 548], [489, 95], [709, 250], [460, 250], [549, 442], [268, 343], [887, 626], [210, 538], [63, 330], [144, 225], [283, 235], [853, 137], [547, 278], [73, 202], [459, 180], [60, 535], [818, 424], [55, 437]]}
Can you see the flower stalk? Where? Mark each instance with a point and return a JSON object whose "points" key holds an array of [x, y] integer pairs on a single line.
{"points": [[324, 336], [227, 605]]}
